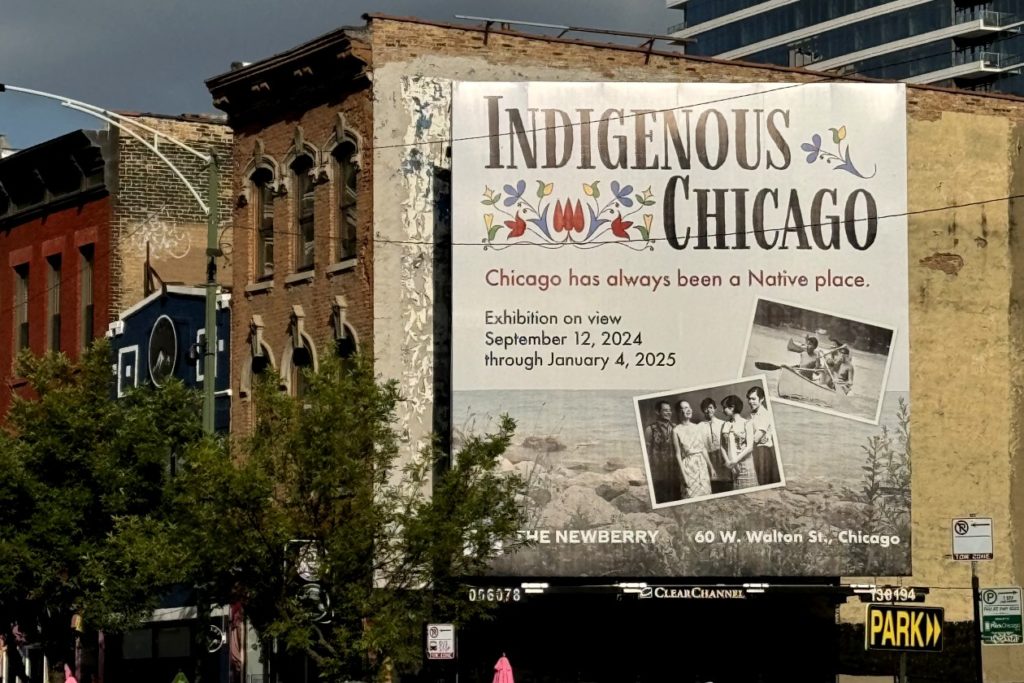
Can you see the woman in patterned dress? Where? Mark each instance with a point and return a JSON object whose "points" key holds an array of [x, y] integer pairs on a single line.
{"points": [[691, 454], [736, 435]]}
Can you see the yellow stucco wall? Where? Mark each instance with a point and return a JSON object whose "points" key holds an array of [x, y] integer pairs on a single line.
{"points": [[967, 332]]}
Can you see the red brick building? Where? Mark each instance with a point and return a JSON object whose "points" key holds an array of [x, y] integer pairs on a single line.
{"points": [[79, 216], [55, 208], [303, 257]]}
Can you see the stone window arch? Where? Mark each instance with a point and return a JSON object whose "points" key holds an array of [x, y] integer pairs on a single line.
{"points": [[345, 149], [299, 357], [260, 360]]}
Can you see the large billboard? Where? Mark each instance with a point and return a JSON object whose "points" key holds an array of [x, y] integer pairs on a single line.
{"points": [[693, 300]]}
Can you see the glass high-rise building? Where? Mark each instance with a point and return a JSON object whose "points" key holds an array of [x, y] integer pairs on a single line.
{"points": [[976, 45]]}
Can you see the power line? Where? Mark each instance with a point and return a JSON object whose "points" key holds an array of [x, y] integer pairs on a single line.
{"points": [[825, 78]]}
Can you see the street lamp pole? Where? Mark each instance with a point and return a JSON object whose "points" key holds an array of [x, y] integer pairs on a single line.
{"points": [[209, 207]]}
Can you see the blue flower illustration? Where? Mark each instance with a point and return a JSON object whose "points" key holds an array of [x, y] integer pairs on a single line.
{"points": [[622, 193], [514, 193], [813, 148]]}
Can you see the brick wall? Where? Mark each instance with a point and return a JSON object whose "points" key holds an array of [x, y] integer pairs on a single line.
{"points": [[152, 205], [272, 299], [62, 233]]}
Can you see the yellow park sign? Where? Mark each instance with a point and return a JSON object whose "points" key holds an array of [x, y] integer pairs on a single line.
{"points": [[903, 627]]}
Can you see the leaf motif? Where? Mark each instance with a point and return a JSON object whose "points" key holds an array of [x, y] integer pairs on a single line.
{"points": [[540, 189], [644, 233], [492, 233], [639, 198]]}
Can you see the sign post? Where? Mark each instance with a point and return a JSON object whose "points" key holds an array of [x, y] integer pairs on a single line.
{"points": [[440, 641], [1001, 622], [972, 541]]}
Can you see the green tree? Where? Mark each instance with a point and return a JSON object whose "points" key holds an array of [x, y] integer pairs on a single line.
{"points": [[319, 489], [74, 467]]}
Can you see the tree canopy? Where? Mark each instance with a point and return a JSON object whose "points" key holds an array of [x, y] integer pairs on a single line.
{"points": [[337, 544]]}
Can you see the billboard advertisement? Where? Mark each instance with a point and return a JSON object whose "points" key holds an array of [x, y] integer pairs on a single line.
{"points": [[692, 298]]}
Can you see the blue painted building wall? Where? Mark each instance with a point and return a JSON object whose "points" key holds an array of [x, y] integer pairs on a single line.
{"points": [[185, 307]]}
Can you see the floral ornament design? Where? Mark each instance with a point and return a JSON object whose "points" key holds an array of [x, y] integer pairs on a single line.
{"points": [[582, 222], [840, 158]]}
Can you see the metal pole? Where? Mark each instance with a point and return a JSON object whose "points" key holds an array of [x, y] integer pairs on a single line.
{"points": [[976, 597], [903, 667], [212, 252]]}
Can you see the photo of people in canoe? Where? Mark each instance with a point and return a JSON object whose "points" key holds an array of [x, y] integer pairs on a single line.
{"points": [[820, 360], [708, 442]]}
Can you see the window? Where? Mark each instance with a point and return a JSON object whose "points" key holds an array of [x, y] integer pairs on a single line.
{"points": [[53, 303], [87, 254], [302, 362], [263, 219], [304, 191], [21, 308], [348, 213]]}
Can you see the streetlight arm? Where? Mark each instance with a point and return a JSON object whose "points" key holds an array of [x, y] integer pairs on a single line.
{"points": [[150, 146], [87, 108]]}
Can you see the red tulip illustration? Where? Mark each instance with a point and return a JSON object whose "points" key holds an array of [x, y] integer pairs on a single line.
{"points": [[619, 227], [568, 217], [517, 227]]}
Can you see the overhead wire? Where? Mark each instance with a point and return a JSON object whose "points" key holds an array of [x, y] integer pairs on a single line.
{"points": [[824, 79]]}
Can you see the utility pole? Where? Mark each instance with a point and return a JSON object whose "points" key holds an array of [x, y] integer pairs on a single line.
{"points": [[212, 252]]}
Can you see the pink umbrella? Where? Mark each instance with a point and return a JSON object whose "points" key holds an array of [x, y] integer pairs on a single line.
{"points": [[503, 671], [68, 676]]}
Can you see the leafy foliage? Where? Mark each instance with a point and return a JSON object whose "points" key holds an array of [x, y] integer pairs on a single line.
{"points": [[326, 471], [76, 465]]}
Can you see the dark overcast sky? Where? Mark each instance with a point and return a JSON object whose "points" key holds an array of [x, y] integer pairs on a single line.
{"points": [[145, 55]]}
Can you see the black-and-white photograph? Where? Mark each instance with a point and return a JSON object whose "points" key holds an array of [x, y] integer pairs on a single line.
{"points": [[820, 360], [710, 441]]}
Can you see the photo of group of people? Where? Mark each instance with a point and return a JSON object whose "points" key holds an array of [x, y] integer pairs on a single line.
{"points": [[730, 448], [813, 359]]}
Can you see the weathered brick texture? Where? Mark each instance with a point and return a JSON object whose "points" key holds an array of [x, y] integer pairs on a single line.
{"points": [[153, 206]]}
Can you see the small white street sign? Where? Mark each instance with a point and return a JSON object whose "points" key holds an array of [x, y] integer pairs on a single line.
{"points": [[972, 538], [440, 641]]}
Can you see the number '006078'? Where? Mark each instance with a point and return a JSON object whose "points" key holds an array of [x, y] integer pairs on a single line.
{"points": [[495, 594]]}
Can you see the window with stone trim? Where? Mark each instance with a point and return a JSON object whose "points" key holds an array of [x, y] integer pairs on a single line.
{"points": [[346, 185], [301, 364], [263, 221], [87, 256], [21, 339], [53, 282], [304, 188]]}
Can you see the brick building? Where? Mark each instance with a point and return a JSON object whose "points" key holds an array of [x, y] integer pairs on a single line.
{"points": [[79, 214], [385, 91], [302, 258]]}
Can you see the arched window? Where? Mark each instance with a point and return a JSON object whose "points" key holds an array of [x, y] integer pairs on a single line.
{"points": [[304, 212], [302, 362], [263, 221], [346, 185]]}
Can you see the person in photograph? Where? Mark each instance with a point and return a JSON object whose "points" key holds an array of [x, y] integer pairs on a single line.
{"points": [[691, 454], [761, 440], [844, 370], [810, 363], [721, 475], [665, 476], [735, 437]]}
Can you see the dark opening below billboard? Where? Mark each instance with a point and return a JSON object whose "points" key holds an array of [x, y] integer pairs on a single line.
{"points": [[693, 300]]}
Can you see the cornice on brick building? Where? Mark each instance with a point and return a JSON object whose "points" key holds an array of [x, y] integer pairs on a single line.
{"points": [[325, 67]]}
